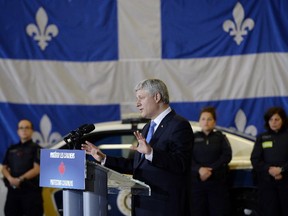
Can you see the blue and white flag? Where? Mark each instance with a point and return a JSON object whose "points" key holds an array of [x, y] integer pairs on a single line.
{"points": [[70, 62]]}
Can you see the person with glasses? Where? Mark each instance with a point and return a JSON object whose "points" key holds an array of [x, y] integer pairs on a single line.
{"points": [[21, 175]]}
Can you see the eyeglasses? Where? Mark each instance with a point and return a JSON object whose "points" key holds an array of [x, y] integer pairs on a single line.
{"points": [[24, 128]]}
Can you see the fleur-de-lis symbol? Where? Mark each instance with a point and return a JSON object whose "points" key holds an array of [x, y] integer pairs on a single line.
{"points": [[42, 32], [46, 139], [241, 120], [240, 26]]}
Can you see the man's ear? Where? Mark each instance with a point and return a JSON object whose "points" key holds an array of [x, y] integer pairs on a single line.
{"points": [[157, 97]]}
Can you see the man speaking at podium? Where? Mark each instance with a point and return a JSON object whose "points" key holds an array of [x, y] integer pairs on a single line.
{"points": [[162, 157]]}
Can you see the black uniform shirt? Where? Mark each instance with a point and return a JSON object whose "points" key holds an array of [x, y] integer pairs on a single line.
{"points": [[270, 149], [21, 157], [212, 150]]}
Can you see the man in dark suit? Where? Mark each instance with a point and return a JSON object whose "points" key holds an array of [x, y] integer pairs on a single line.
{"points": [[163, 161]]}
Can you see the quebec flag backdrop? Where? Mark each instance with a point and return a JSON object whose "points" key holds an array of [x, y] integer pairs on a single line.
{"points": [[71, 62]]}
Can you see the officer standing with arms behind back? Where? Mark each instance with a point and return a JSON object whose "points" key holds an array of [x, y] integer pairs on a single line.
{"points": [[21, 175]]}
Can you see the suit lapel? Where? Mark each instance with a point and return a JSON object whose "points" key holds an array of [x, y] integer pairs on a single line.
{"points": [[159, 131], [161, 128]]}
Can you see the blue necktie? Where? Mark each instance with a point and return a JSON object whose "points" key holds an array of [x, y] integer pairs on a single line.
{"points": [[150, 134], [151, 131]]}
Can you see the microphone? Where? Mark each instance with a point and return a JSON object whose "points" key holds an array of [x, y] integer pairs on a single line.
{"points": [[75, 135], [86, 128]]}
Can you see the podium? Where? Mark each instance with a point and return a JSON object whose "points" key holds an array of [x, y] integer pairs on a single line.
{"points": [[99, 182]]}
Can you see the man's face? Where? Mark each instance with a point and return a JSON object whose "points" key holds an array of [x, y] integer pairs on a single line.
{"points": [[147, 104], [25, 130]]}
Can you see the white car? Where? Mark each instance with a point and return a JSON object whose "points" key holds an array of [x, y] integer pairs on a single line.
{"points": [[115, 138]]}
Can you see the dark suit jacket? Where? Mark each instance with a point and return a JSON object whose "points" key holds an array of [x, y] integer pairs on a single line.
{"points": [[168, 174]]}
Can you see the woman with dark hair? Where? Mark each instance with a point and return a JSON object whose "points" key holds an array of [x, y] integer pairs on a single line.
{"points": [[210, 158], [270, 162]]}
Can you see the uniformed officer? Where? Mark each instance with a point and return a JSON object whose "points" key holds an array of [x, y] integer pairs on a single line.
{"points": [[21, 175], [211, 154], [270, 161]]}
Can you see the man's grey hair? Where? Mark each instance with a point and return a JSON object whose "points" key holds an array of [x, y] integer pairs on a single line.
{"points": [[154, 86]]}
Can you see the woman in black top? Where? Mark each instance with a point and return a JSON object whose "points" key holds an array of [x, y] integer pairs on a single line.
{"points": [[270, 161], [211, 155]]}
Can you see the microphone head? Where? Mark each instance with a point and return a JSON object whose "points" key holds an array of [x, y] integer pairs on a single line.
{"points": [[79, 132], [88, 128]]}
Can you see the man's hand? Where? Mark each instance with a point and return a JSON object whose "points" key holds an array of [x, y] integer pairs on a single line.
{"points": [[93, 150], [142, 147]]}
